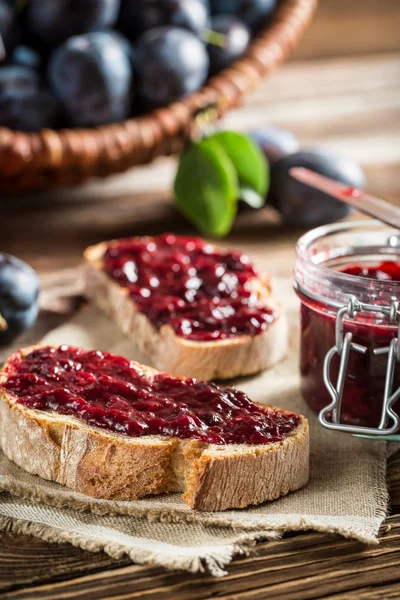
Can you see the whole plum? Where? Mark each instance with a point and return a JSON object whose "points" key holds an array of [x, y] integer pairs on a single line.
{"points": [[138, 17], [6, 21], [301, 205], [26, 57], [54, 21], [92, 76], [25, 102], [275, 142], [171, 62], [19, 289], [10, 28], [252, 12], [236, 37]]}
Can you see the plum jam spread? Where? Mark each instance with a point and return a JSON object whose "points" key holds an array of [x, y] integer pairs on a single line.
{"points": [[112, 393], [365, 379], [385, 271], [185, 282]]}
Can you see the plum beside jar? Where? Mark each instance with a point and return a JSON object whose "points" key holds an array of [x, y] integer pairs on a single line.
{"points": [[333, 264]]}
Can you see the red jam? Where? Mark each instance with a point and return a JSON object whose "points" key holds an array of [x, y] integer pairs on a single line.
{"points": [[201, 292], [110, 392], [386, 271], [365, 381], [352, 192]]}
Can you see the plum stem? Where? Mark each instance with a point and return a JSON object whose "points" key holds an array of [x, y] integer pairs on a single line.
{"points": [[214, 38], [202, 123]]}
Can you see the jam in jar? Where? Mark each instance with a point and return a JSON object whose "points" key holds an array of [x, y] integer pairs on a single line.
{"points": [[351, 269]]}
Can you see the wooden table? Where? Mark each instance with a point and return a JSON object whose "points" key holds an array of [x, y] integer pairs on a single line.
{"points": [[349, 105]]}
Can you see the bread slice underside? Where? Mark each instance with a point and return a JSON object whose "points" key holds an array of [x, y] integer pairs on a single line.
{"points": [[220, 359], [109, 465]]}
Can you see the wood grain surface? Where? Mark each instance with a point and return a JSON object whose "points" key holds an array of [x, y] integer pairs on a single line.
{"points": [[310, 565], [341, 28], [351, 106]]}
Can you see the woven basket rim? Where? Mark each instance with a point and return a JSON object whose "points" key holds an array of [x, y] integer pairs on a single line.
{"points": [[50, 157]]}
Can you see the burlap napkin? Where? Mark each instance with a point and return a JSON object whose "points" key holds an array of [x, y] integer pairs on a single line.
{"points": [[346, 494]]}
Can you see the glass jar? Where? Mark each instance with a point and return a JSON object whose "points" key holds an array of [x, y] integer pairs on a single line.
{"points": [[349, 357]]}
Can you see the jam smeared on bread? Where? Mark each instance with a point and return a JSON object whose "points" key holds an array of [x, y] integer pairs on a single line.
{"points": [[113, 393], [193, 309], [84, 420], [187, 283]]}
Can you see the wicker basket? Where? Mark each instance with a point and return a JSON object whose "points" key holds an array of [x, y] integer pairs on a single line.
{"points": [[49, 159]]}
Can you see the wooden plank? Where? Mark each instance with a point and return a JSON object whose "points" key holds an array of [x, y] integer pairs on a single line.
{"points": [[25, 560], [378, 592], [34, 565], [304, 566], [341, 28]]}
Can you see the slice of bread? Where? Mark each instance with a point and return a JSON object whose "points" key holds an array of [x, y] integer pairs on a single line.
{"points": [[109, 465], [166, 351]]}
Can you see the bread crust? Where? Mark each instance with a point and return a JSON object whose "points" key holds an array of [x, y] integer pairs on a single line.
{"points": [[106, 465], [220, 359]]}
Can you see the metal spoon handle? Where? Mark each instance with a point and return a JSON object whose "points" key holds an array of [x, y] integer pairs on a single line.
{"points": [[365, 203]]}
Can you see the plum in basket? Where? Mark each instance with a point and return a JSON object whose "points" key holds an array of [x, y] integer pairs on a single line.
{"points": [[92, 76], [25, 103], [275, 143], [6, 23], [171, 62], [235, 39], [26, 57], [301, 205], [252, 12], [138, 17], [19, 289], [54, 21]]}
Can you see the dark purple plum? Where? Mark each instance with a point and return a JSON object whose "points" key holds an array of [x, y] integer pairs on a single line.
{"points": [[19, 289], [91, 74], [130, 52], [303, 206], [171, 62], [25, 102], [7, 23], [252, 12], [275, 143], [235, 39], [26, 57], [138, 17], [54, 21]]}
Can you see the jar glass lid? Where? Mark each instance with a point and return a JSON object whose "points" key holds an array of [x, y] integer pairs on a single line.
{"points": [[323, 252]]}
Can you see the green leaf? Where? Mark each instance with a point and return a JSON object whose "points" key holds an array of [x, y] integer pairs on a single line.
{"points": [[251, 197], [206, 188], [250, 163]]}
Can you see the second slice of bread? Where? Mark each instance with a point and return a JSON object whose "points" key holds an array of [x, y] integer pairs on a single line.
{"points": [[221, 359]]}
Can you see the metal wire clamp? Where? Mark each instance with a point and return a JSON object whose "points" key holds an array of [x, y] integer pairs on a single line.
{"points": [[389, 422]]}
